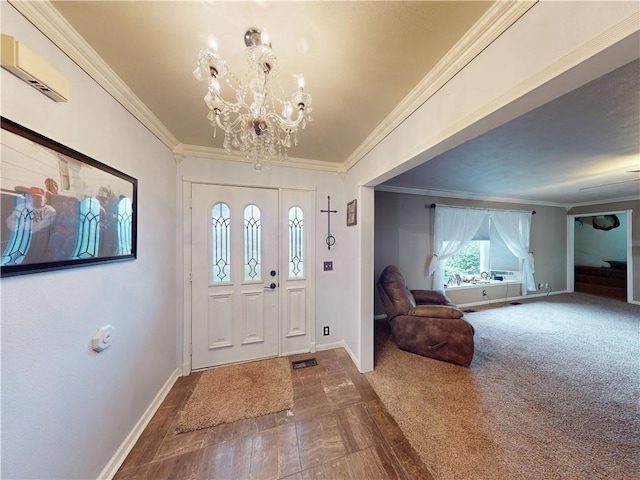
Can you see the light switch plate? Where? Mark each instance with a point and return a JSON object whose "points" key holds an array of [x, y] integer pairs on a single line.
{"points": [[328, 266]]}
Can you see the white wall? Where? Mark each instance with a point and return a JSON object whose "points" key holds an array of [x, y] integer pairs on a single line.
{"points": [[329, 285], [65, 408], [513, 75], [609, 244]]}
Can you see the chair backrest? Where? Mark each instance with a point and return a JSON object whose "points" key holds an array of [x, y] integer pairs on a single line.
{"points": [[395, 296]]}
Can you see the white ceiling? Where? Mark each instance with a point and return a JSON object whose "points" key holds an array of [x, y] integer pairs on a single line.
{"points": [[361, 60]]}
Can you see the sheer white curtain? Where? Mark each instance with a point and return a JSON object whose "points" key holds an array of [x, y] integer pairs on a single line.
{"points": [[454, 228], [515, 230]]}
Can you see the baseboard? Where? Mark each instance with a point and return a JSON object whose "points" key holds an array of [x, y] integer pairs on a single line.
{"points": [[354, 359], [341, 344], [330, 346], [511, 299], [110, 470]]}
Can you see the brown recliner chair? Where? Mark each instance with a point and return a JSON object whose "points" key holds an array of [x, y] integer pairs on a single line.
{"points": [[425, 322]]}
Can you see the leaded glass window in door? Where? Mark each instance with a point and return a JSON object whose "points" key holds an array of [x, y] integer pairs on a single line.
{"points": [[296, 243], [88, 229], [124, 225], [252, 244], [220, 243]]}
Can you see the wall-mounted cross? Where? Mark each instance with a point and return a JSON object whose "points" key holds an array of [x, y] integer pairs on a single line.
{"points": [[331, 240]]}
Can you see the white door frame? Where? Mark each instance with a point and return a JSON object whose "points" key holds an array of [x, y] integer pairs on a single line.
{"points": [[571, 248], [186, 265]]}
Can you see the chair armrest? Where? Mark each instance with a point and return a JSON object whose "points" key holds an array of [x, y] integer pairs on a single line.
{"points": [[430, 297], [436, 311]]}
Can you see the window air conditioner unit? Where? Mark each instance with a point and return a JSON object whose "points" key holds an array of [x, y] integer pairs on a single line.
{"points": [[28, 66]]}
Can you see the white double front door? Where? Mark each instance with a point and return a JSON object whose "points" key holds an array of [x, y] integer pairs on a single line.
{"points": [[239, 279]]}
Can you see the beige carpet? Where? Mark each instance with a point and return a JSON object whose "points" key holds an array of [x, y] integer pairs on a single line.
{"points": [[227, 394], [552, 392]]}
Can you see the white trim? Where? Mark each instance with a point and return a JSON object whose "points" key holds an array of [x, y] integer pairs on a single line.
{"points": [[56, 27], [462, 195], [181, 151], [571, 241], [207, 181], [340, 344], [53, 25], [630, 289], [571, 248], [488, 28], [481, 286], [553, 71], [491, 25], [495, 21], [330, 346], [186, 277], [634, 198], [512, 299], [487, 198], [354, 359], [118, 458]]}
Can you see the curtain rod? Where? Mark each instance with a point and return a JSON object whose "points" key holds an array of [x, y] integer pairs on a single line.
{"points": [[434, 205]]}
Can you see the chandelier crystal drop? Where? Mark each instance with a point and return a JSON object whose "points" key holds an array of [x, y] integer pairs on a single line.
{"points": [[260, 122]]}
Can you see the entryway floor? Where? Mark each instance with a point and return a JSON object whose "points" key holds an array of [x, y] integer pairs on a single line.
{"points": [[338, 429]]}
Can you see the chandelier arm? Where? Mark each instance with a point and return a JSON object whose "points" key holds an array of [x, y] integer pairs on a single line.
{"points": [[284, 123], [231, 106], [230, 127]]}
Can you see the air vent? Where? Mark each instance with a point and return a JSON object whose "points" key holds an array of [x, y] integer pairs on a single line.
{"points": [[28, 66]]}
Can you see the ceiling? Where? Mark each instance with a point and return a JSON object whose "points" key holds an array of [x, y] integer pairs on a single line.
{"points": [[582, 147], [361, 60]]}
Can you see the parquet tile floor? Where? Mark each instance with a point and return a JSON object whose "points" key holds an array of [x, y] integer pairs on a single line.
{"points": [[339, 430]]}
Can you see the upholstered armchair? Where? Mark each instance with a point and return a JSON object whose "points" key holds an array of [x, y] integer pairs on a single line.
{"points": [[425, 322]]}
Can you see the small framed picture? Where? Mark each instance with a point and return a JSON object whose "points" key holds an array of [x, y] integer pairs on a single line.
{"points": [[352, 212]]}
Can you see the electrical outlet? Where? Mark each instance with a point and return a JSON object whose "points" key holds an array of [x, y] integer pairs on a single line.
{"points": [[328, 266], [484, 293], [325, 330]]}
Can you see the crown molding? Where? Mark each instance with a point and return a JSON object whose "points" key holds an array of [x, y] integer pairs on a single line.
{"points": [[182, 151], [608, 38], [486, 198], [499, 17], [46, 18], [464, 196], [634, 198], [54, 26]]}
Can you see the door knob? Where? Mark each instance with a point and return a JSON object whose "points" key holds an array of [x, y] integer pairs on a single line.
{"points": [[272, 286]]}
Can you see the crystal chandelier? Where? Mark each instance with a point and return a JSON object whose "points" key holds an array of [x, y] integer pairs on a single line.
{"points": [[251, 122]]}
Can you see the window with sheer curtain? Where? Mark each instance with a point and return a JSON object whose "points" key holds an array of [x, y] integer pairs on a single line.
{"points": [[471, 243]]}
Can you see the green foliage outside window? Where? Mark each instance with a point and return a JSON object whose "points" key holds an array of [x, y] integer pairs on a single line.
{"points": [[466, 261]]}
